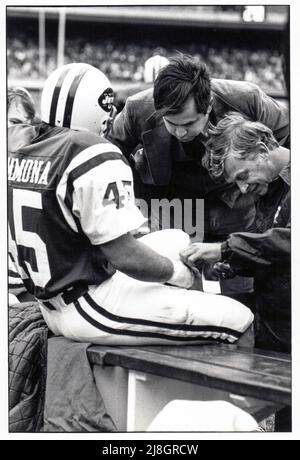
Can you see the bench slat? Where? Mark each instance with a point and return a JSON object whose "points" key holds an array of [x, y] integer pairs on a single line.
{"points": [[220, 366], [193, 350], [256, 363]]}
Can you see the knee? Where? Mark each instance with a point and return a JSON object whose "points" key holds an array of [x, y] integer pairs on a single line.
{"points": [[167, 242]]}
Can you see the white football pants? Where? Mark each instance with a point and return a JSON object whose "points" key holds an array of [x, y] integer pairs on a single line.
{"points": [[125, 311]]}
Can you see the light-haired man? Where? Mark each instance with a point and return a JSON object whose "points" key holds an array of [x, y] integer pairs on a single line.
{"points": [[246, 153]]}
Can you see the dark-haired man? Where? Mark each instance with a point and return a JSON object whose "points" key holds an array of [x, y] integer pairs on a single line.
{"points": [[163, 132]]}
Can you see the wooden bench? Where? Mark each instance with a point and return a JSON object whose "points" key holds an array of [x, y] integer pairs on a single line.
{"points": [[136, 383]]}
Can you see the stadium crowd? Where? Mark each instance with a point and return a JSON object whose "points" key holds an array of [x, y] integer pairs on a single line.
{"points": [[125, 61]]}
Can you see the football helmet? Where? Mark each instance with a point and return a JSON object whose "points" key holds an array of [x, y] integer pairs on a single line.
{"points": [[77, 96], [152, 66]]}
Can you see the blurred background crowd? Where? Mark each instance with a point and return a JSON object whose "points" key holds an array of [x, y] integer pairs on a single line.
{"points": [[235, 41], [125, 61]]}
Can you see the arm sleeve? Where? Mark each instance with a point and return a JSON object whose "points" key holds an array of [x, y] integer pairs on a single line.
{"points": [[103, 201], [122, 132], [248, 252]]}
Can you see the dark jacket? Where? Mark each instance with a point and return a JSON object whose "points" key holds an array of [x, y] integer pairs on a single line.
{"points": [[164, 171], [28, 334], [267, 257]]}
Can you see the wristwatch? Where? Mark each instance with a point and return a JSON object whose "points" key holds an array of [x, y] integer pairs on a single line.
{"points": [[225, 251]]}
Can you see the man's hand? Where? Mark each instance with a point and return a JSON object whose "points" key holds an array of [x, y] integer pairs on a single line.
{"points": [[198, 253]]}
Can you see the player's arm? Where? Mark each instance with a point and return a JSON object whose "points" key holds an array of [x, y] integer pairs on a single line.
{"points": [[139, 261]]}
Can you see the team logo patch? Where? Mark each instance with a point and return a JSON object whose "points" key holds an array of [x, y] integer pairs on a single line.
{"points": [[106, 99]]}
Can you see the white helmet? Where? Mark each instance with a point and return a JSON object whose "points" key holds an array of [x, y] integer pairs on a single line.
{"points": [[77, 96], [152, 66]]}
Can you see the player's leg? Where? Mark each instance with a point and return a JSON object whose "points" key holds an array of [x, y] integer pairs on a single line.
{"points": [[126, 311], [168, 242], [69, 321]]}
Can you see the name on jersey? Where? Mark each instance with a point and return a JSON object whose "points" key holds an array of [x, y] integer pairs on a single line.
{"points": [[34, 171]]}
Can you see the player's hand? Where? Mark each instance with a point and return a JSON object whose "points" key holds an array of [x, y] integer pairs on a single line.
{"points": [[183, 276], [198, 253]]}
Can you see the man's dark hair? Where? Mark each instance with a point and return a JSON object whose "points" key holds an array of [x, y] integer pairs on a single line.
{"points": [[182, 77]]}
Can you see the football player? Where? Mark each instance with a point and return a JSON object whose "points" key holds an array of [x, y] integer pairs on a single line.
{"points": [[71, 213]]}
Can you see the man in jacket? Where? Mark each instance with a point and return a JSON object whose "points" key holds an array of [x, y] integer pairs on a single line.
{"points": [[247, 154]]}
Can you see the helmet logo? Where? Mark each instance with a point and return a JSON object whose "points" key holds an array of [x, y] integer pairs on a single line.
{"points": [[106, 99]]}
